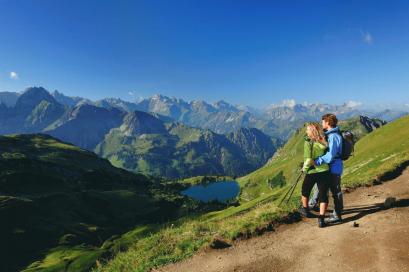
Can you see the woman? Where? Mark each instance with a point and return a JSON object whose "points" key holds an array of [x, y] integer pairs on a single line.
{"points": [[315, 145]]}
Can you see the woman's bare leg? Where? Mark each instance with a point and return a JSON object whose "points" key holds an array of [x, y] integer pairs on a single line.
{"points": [[304, 201], [323, 208]]}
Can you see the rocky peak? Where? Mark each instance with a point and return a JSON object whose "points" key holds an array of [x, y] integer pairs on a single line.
{"points": [[31, 97], [68, 100], [200, 105], [371, 123], [93, 113], [139, 122], [224, 106]]}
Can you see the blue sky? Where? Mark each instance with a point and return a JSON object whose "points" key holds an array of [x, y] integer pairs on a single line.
{"points": [[245, 52]]}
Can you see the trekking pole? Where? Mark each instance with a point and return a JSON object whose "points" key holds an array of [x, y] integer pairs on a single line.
{"points": [[292, 185], [292, 188], [292, 191]]}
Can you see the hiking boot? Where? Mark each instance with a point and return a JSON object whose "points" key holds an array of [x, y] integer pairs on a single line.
{"points": [[321, 222], [333, 219], [305, 212]]}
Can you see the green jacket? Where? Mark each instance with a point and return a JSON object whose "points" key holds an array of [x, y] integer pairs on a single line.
{"points": [[318, 150]]}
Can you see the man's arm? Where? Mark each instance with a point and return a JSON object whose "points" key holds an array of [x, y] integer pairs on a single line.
{"points": [[331, 153]]}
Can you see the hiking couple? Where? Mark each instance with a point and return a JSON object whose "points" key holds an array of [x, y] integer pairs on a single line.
{"points": [[323, 167]]}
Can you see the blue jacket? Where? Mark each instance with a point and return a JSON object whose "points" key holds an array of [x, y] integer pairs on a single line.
{"points": [[333, 155]]}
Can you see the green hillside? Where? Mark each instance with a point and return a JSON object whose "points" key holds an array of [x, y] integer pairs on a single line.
{"points": [[59, 203], [147, 145], [283, 168], [258, 203], [378, 154]]}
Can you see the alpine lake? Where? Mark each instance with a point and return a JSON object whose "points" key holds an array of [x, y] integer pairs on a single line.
{"points": [[221, 191]]}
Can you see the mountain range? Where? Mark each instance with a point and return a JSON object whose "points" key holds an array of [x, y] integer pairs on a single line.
{"points": [[278, 120], [150, 143], [166, 136]]}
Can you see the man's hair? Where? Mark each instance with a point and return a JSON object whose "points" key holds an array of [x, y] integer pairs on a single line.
{"points": [[331, 119]]}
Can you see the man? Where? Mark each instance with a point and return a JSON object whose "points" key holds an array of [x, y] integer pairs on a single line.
{"points": [[333, 158]]}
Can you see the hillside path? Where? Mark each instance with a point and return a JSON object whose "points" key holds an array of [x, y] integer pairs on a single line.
{"points": [[380, 243]]}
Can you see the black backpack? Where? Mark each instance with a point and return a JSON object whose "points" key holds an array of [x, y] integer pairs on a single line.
{"points": [[348, 142]]}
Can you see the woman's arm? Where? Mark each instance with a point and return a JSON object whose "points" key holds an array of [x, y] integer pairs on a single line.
{"points": [[307, 156], [331, 153]]}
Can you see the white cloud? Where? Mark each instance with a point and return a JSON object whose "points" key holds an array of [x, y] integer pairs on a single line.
{"points": [[285, 103], [353, 104], [367, 37], [13, 75], [288, 103], [135, 96]]}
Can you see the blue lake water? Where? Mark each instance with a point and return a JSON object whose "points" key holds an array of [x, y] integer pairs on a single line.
{"points": [[221, 190]]}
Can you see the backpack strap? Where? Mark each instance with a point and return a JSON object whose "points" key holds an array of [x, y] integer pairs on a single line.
{"points": [[339, 155]]}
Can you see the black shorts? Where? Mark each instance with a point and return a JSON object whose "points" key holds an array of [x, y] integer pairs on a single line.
{"points": [[323, 180]]}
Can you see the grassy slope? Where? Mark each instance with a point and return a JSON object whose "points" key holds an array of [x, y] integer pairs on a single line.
{"points": [[381, 151], [283, 168], [58, 203], [186, 152]]}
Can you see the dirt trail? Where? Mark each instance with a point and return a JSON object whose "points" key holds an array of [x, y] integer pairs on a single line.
{"points": [[380, 243]]}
